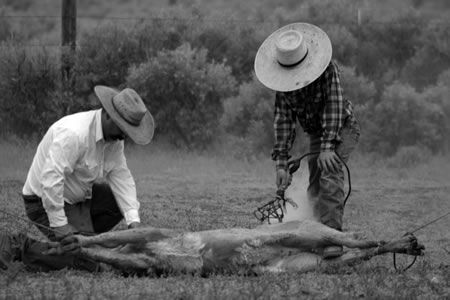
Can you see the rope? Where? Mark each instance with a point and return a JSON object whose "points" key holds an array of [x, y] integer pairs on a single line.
{"points": [[16, 217], [429, 223], [404, 269], [394, 257], [297, 161], [274, 208], [265, 211]]}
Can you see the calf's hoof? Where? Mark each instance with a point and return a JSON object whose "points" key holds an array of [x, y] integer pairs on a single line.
{"points": [[332, 251]]}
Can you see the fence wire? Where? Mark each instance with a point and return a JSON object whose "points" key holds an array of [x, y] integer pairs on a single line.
{"points": [[23, 25]]}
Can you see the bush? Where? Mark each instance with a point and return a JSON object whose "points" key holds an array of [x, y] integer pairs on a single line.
{"points": [[430, 58], [403, 118], [103, 57], [161, 34], [387, 46], [438, 95], [28, 85], [344, 43], [233, 43], [18, 4], [357, 88], [409, 156], [184, 93], [5, 29], [249, 117], [361, 92]]}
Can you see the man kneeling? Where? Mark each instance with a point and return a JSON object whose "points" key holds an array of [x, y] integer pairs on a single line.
{"points": [[79, 181]]}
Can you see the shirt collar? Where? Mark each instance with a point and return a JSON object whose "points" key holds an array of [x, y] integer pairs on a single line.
{"points": [[98, 126]]}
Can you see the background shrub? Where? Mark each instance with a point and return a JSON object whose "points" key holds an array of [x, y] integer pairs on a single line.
{"points": [[249, 117], [28, 90], [185, 93], [362, 93], [5, 28], [103, 57], [234, 44], [403, 118], [409, 156], [393, 60]]}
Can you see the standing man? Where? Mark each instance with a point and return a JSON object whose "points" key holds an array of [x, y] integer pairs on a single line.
{"points": [[79, 181], [295, 61]]}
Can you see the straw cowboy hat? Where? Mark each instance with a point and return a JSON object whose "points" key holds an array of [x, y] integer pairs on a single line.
{"points": [[128, 112], [292, 57]]}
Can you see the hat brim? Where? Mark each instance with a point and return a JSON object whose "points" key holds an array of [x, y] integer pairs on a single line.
{"points": [[284, 79], [141, 134]]}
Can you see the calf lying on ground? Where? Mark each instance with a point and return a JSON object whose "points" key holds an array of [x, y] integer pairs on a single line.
{"points": [[291, 246]]}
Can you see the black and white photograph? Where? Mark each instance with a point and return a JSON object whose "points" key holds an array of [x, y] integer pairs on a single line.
{"points": [[224, 149]]}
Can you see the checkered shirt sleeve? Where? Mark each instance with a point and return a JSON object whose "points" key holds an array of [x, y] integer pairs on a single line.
{"points": [[284, 129], [333, 113]]}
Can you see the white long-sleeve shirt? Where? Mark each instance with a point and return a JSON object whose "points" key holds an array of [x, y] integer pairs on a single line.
{"points": [[73, 155]]}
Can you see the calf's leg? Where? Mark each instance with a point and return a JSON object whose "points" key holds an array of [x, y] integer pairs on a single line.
{"points": [[119, 238]]}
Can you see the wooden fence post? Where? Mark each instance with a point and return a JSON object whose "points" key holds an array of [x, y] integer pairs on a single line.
{"points": [[68, 35]]}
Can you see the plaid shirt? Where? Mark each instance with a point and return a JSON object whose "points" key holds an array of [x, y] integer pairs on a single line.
{"points": [[319, 107]]}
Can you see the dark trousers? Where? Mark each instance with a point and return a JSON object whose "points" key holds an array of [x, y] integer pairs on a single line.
{"points": [[96, 215], [326, 189]]}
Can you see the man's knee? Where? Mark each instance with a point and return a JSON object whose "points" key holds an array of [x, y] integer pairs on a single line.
{"points": [[105, 212]]}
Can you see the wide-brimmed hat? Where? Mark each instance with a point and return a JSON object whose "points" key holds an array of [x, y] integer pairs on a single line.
{"points": [[128, 112], [292, 57]]}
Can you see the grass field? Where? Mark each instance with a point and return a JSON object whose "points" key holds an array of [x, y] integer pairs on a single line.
{"points": [[197, 192]]}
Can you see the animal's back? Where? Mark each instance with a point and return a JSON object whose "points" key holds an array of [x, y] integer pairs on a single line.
{"points": [[243, 245]]}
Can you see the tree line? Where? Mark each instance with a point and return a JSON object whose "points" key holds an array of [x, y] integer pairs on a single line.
{"points": [[196, 75]]}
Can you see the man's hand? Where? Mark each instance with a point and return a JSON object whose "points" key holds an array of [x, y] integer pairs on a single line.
{"points": [[63, 231], [328, 161], [133, 225], [282, 180], [70, 244], [65, 235]]}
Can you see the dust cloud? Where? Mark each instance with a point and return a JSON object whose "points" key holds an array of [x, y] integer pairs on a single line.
{"points": [[297, 191]]}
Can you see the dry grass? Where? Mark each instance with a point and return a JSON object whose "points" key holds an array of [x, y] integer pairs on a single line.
{"points": [[195, 192]]}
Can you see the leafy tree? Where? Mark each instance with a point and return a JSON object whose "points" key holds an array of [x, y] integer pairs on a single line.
{"points": [[344, 43], [387, 46], [438, 95], [249, 116], [103, 57], [28, 85], [234, 43], [185, 94], [325, 12], [444, 78], [21, 5], [402, 118], [5, 29], [168, 32], [357, 88], [361, 92], [431, 57]]}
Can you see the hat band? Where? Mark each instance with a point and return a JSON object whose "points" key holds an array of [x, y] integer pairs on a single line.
{"points": [[294, 64], [128, 118]]}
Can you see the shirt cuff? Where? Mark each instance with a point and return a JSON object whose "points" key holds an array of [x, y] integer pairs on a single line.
{"points": [[132, 216], [281, 160], [57, 218], [327, 146], [281, 164]]}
